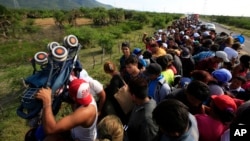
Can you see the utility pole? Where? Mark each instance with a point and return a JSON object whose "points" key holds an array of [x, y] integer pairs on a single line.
{"points": [[16, 4]]}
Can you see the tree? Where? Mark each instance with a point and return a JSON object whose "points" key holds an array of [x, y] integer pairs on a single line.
{"points": [[140, 17], [100, 18], [116, 15], [59, 18], [106, 42]]}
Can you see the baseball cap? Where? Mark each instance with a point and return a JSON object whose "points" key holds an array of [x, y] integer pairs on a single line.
{"points": [[196, 35], [165, 45], [223, 55], [79, 89], [224, 102], [153, 68], [205, 34], [215, 89], [137, 51], [222, 75], [184, 81]]}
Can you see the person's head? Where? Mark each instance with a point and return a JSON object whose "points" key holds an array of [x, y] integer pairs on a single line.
{"points": [[224, 107], [197, 92], [163, 62], [110, 128], [185, 53], [147, 55], [244, 60], [153, 70], [131, 64], [171, 42], [79, 91], [214, 47], [202, 75], [215, 89], [172, 117], [154, 47], [243, 114], [229, 41], [221, 56], [125, 48], [137, 51], [207, 43], [109, 67], [236, 46], [237, 82], [138, 88], [222, 75]]}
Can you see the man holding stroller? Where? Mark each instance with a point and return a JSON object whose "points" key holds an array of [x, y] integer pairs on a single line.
{"points": [[79, 125]]}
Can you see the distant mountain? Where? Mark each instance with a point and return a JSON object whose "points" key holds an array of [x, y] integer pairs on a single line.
{"points": [[52, 4]]}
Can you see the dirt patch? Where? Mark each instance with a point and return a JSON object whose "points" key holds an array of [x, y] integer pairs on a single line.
{"points": [[48, 22]]}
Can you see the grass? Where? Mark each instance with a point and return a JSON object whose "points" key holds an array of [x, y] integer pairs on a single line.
{"points": [[14, 65]]}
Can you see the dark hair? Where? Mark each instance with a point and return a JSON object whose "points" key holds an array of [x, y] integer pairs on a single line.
{"points": [[147, 54], [163, 61], [171, 115], [241, 78], [131, 60], [236, 46], [215, 47], [243, 114], [199, 90], [207, 43], [244, 59], [138, 87], [125, 44]]}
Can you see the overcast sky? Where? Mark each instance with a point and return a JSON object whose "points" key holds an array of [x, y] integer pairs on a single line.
{"points": [[208, 7]]}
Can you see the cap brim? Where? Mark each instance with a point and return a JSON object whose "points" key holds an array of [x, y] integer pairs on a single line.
{"points": [[213, 96], [226, 60]]}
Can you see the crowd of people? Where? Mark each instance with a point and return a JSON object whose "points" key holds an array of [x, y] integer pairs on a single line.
{"points": [[188, 84]]}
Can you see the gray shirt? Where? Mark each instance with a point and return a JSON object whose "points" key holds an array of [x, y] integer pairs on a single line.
{"points": [[141, 126]]}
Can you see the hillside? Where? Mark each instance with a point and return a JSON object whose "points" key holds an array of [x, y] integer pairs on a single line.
{"points": [[52, 4]]}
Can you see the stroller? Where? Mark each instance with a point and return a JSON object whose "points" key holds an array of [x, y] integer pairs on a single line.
{"points": [[55, 69]]}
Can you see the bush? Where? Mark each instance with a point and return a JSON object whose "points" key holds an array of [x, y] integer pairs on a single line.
{"points": [[106, 42], [158, 22], [135, 25], [86, 35]]}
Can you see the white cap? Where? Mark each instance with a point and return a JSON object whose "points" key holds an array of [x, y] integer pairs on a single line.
{"points": [[160, 30], [165, 45], [206, 33], [196, 35], [223, 55]]}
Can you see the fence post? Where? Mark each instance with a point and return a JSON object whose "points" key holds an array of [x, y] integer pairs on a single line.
{"points": [[94, 61]]}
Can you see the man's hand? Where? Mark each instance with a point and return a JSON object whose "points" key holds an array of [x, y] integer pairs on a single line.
{"points": [[44, 94]]}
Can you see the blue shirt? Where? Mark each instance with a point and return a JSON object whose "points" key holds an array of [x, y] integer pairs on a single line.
{"points": [[158, 89]]}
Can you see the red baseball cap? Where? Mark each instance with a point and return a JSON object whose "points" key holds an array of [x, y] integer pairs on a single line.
{"points": [[79, 89], [224, 102]]}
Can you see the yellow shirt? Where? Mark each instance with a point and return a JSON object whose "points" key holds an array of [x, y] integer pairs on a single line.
{"points": [[159, 52]]}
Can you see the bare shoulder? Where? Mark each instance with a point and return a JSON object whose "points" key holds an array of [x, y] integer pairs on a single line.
{"points": [[86, 115]]}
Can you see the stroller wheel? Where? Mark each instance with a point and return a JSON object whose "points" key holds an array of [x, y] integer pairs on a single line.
{"points": [[59, 53], [71, 41], [51, 45], [41, 58]]}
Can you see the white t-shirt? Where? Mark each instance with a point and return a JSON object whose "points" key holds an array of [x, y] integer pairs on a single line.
{"points": [[95, 86]]}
